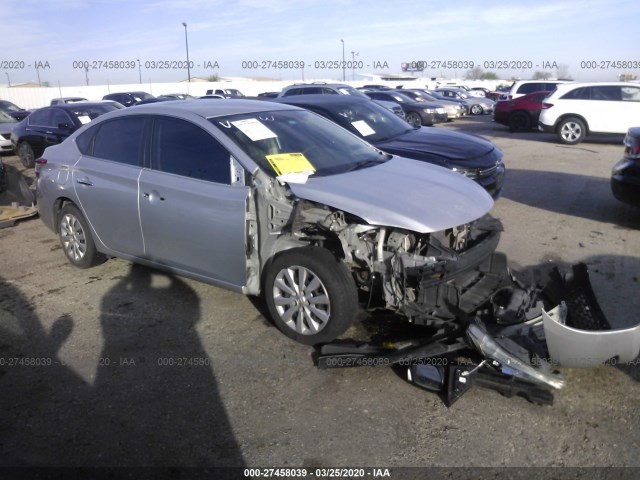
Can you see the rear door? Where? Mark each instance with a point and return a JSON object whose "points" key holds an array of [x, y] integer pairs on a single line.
{"points": [[106, 181], [192, 217]]}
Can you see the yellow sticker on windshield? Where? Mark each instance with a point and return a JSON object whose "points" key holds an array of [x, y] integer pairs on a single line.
{"points": [[284, 163]]}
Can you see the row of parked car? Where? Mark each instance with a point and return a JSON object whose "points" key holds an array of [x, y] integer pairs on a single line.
{"points": [[338, 102], [572, 110]]}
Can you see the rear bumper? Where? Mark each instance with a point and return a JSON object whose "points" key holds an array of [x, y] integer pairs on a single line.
{"points": [[546, 128]]}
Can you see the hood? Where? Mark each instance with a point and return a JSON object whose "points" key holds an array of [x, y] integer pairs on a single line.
{"points": [[443, 147], [401, 193]]}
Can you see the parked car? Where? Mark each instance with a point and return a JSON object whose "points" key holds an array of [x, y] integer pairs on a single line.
{"points": [[625, 176], [128, 98], [214, 97], [298, 210], [453, 109], [520, 114], [415, 113], [524, 87], [322, 88], [470, 155], [51, 125], [177, 96], [482, 91], [575, 110], [65, 100], [13, 110], [6, 125], [226, 93], [268, 95], [476, 105], [439, 98]]}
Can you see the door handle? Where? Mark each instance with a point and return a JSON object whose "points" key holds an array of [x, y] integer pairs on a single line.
{"points": [[85, 181], [152, 195]]}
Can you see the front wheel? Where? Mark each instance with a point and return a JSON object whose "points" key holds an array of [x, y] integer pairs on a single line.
{"points": [[414, 119], [311, 295], [571, 131], [476, 109], [76, 238]]}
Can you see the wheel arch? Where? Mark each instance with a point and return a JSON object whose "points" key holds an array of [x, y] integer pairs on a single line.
{"points": [[58, 205]]}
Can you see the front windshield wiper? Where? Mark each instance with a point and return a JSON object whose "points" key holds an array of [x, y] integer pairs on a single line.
{"points": [[370, 163], [391, 137]]}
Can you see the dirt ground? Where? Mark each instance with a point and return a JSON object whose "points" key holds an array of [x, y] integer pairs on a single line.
{"points": [[123, 365]]}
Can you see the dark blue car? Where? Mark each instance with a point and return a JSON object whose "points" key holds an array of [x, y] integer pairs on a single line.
{"points": [[473, 156]]}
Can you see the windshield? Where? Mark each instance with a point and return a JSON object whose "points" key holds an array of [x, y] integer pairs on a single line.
{"points": [[9, 107], [139, 96], [351, 91], [370, 121], [4, 118], [282, 141], [86, 113]]}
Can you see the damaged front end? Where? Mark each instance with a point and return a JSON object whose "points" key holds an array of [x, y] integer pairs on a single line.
{"points": [[493, 329]]}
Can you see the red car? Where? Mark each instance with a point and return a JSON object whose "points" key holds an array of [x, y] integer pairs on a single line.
{"points": [[520, 114]]}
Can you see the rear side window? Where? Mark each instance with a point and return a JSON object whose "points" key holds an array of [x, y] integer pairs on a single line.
{"points": [[40, 118], [182, 148], [530, 87], [120, 140]]}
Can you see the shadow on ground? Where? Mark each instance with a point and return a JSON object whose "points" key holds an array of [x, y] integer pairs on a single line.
{"points": [[569, 194], [154, 400]]}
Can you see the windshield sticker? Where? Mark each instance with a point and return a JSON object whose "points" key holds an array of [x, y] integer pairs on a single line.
{"points": [[363, 128], [284, 163], [253, 129], [84, 119]]}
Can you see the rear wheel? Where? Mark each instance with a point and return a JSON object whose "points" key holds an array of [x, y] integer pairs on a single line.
{"points": [[519, 122], [25, 152], [76, 239], [571, 131], [311, 295]]}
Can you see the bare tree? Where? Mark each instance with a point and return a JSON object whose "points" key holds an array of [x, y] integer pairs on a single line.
{"points": [[563, 72]]}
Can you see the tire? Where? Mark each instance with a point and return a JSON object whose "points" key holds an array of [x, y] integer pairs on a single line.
{"points": [[76, 240], [519, 122], [571, 131], [327, 305], [25, 152], [476, 109], [414, 119]]}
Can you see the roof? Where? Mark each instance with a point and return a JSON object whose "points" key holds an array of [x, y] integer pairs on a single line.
{"points": [[205, 108]]}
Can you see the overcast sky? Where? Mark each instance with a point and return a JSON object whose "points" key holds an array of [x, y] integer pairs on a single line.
{"points": [[60, 34]]}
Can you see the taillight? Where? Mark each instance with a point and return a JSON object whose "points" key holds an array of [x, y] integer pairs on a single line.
{"points": [[40, 162], [544, 106], [631, 147]]}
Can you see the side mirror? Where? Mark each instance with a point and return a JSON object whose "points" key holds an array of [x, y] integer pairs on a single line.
{"points": [[66, 126]]}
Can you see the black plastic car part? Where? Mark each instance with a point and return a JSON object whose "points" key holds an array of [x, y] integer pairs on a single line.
{"points": [[448, 364]]}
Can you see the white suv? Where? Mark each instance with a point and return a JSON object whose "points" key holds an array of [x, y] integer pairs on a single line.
{"points": [[525, 87], [575, 110]]}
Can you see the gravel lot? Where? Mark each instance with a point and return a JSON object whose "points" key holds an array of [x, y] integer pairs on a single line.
{"points": [[118, 392]]}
